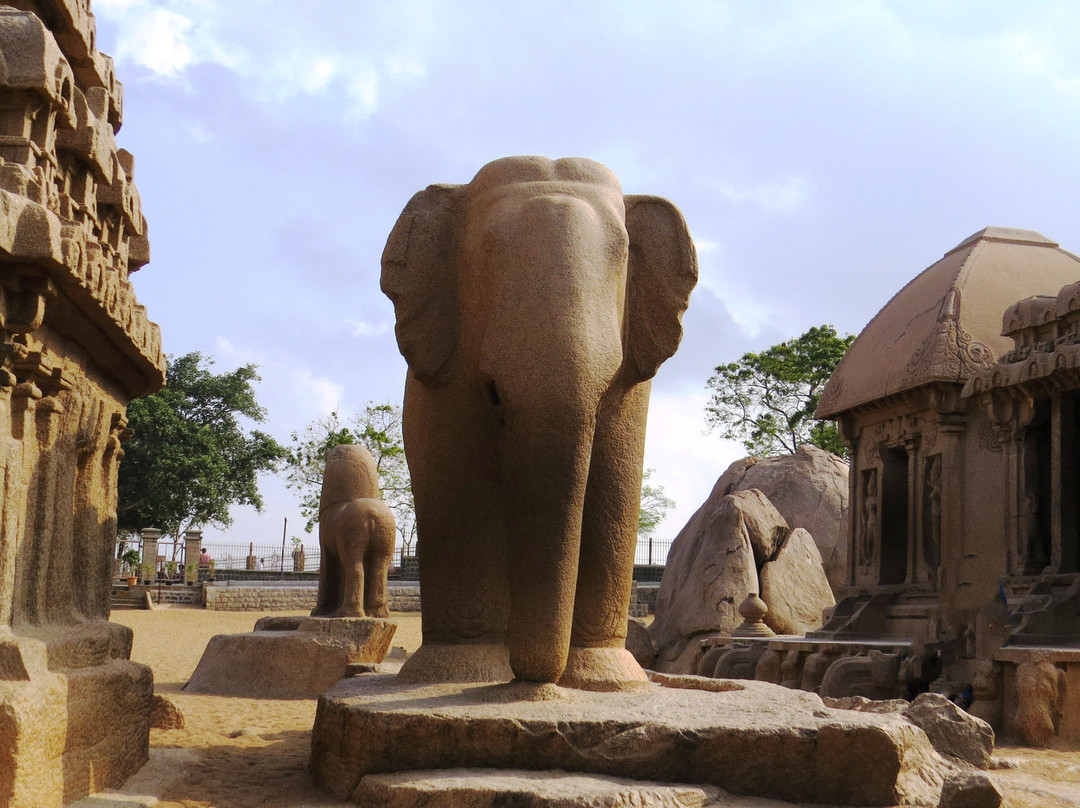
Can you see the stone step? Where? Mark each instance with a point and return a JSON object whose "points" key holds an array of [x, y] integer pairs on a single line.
{"points": [[493, 788]]}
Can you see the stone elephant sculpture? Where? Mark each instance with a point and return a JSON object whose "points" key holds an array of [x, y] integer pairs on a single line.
{"points": [[356, 537], [533, 306]]}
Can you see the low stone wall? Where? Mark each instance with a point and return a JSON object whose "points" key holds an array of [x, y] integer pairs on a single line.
{"points": [[264, 596], [256, 597], [184, 595]]}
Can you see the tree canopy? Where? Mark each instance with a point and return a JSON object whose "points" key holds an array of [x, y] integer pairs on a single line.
{"points": [[190, 457], [767, 400], [654, 506], [378, 428]]}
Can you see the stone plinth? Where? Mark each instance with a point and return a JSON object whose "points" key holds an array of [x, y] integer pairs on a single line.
{"points": [[289, 657], [76, 714], [486, 788], [745, 737]]}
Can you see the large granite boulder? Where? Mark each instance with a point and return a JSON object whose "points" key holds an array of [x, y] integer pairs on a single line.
{"points": [[794, 586], [810, 489], [710, 570]]}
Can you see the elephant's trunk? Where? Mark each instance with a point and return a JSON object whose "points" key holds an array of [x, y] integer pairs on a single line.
{"points": [[544, 477]]}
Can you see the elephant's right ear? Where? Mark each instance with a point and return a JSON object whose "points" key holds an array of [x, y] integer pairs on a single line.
{"points": [[419, 275]]}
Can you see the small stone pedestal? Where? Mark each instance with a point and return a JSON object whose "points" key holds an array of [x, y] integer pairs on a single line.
{"points": [[744, 737], [290, 657]]}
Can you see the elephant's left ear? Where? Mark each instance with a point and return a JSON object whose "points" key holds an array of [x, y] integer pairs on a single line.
{"points": [[661, 275]]}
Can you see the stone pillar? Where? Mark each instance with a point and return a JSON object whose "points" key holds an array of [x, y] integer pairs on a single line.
{"points": [[148, 570], [192, 551], [911, 447], [1056, 451], [250, 563]]}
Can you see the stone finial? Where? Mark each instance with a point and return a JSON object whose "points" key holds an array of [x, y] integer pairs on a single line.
{"points": [[753, 610]]}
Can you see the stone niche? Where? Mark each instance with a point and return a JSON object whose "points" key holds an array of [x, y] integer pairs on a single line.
{"points": [[75, 348]]}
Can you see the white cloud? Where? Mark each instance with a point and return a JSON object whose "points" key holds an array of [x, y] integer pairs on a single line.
{"points": [[785, 196], [362, 328], [291, 395], [318, 74], [750, 314], [687, 461], [168, 37], [1038, 57], [160, 40]]}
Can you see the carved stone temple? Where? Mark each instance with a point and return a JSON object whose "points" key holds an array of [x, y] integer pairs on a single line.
{"points": [[960, 402], [76, 348]]}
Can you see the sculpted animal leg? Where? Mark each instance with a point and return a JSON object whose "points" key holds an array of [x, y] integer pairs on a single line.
{"points": [[325, 601], [598, 657], [460, 538], [380, 549], [353, 544]]}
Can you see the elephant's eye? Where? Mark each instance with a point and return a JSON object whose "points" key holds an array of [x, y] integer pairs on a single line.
{"points": [[492, 393]]}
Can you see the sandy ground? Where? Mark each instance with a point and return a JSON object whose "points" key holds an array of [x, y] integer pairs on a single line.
{"points": [[236, 753]]}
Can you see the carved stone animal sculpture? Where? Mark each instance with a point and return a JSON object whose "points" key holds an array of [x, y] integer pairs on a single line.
{"points": [[533, 305], [1039, 687], [356, 535]]}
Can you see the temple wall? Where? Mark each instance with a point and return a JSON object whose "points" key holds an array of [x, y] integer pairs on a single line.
{"points": [[75, 348]]}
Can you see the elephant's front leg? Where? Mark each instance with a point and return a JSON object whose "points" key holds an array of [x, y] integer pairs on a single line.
{"points": [[598, 657], [460, 538]]}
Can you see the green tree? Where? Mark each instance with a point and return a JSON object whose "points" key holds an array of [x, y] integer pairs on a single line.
{"points": [[190, 457], [378, 428], [654, 506], [767, 400]]}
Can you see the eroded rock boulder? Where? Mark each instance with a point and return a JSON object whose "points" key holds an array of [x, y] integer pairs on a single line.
{"points": [[809, 489], [740, 537], [709, 572], [794, 586], [639, 643], [953, 732]]}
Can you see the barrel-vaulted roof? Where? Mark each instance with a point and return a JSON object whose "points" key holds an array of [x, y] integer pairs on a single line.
{"points": [[946, 323]]}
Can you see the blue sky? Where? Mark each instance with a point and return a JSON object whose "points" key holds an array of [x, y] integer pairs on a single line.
{"points": [[823, 153]]}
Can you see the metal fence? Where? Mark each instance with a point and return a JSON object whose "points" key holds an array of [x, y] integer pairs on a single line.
{"points": [[269, 558], [652, 551]]}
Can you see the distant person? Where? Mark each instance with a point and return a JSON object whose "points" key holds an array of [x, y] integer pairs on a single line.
{"points": [[204, 558], [258, 565]]}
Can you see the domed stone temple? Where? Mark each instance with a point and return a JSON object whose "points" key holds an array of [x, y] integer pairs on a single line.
{"points": [[959, 403]]}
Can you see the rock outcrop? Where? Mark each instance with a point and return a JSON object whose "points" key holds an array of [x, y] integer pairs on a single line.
{"points": [[710, 570], [810, 490], [794, 586], [741, 541]]}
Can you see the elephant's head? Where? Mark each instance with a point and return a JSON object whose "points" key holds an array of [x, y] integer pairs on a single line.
{"points": [[349, 474], [536, 298], [503, 251]]}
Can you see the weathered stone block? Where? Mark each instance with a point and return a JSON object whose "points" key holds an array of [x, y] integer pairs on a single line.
{"points": [[300, 662], [745, 737]]}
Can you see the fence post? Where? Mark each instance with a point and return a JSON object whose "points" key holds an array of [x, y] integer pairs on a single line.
{"points": [[149, 536], [192, 551]]}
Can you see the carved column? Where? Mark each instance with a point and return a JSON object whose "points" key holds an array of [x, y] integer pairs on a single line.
{"points": [[911, 446], [954, 542], [1056, 473]]}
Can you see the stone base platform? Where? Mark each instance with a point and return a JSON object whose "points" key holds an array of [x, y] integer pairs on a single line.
{"points": [[290, 657], [72, 724], [748, 738], [489, 788]]}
